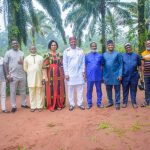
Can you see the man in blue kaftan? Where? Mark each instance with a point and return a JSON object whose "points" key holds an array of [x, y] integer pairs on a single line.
{"points": [[93, 65], [112, 73], [131, 63]]}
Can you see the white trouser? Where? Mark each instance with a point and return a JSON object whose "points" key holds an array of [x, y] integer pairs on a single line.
{"points": [[3, 94], [35, 95], [79, 94]]}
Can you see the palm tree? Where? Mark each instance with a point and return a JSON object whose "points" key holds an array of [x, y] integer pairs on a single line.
{"points": [[17, 12], [87, 13], [147, 18], [44, 23], [113, 22], [47, 28], [53, 9], [141, 25]]}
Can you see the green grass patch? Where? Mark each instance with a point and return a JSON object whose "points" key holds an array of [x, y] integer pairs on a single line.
{"points": [[103, 125], [20, 148], [136, 127]]}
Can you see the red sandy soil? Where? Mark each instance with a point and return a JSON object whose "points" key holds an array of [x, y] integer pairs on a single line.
{"points": [[127, 129]]}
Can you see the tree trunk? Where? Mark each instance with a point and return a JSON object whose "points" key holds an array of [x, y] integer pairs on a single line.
{"points": [[103, 13], [13, 31], [141, 26]]}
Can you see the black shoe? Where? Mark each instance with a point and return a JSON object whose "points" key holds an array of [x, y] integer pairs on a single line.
{"points": [[81, 107], [26, 106], [13, 110], [6, 111], [117, 107], [71, 107], [88, 107], [109, 105]]}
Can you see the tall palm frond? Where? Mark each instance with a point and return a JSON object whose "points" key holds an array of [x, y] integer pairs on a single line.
{"points": [[97, 11], [53, 9]]}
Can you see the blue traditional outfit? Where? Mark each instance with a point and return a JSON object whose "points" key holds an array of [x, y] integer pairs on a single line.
{"points": [[131, 61], [112, 69], [93, 64]]}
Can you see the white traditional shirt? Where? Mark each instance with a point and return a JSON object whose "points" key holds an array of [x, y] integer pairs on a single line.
{"points": [[74, 65], [33, 66], [2, 75]]}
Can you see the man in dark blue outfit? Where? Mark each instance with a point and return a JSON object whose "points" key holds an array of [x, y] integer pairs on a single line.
{"points": [[131, 63], [93, 64]]}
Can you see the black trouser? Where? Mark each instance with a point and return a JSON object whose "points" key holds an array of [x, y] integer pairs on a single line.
{"points": [[147, 90]]}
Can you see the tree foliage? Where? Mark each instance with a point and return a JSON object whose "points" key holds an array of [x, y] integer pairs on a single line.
{"points": [[17, 13], [87, 14]]}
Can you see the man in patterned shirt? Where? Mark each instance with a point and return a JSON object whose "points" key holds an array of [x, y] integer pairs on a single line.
{"points": [[146, 72]]}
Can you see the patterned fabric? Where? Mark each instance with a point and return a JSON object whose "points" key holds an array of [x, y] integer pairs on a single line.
{"points": [[146, 58], [55, 88]]}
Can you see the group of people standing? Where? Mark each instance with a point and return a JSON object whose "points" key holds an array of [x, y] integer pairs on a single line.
{"points": [[75, 69]]}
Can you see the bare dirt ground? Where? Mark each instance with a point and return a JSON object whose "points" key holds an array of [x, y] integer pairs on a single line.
{"points": [[95, 129]]}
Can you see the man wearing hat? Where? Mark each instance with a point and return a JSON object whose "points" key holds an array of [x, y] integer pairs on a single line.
{"points": [[93, 65], [74, 69], [112, 72], [130, 77]]}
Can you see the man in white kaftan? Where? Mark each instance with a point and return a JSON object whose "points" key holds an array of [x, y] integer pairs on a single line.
{"points": [[74, 69], [33, 67]]}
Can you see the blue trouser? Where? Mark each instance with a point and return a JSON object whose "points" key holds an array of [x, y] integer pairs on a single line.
{"points": [[117, 94], [147, 89], [90, 85], [132, 85]]}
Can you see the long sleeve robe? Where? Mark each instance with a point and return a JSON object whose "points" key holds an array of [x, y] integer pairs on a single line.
{"points": [[93, 63], [74, 65], [33, 67], [112, 67]]}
